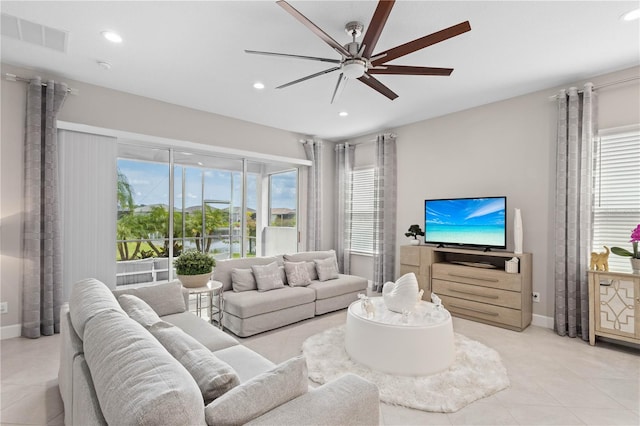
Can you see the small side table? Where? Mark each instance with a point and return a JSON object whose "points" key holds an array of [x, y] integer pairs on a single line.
{"points": [[213, 288]]}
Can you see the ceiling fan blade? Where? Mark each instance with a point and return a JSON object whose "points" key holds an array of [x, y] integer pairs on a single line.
{"points": [[422, 42], [286, 55], [342, 81], [377, 86], [313, 27], [404, 70], [376, 26], [291, 83]]}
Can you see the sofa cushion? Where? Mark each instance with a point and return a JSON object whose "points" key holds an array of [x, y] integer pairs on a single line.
{"points": [[165, 298], [344, 284], [327, 269], [246, 363], [88, 298], [267, 276], [222, 271], [243, 280], [213, 376], [138, 310], [121, 354], [311, 269], [309, 256], [260, 394], [211, 337], [251, 303], [297, 274]]}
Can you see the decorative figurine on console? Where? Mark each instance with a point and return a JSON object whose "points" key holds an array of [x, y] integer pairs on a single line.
{"points": [[403, 294], [367, 306], [600, 261]]}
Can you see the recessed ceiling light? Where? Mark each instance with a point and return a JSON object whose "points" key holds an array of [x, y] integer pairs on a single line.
{"points": [[258, 85], [112, 36], [632, 15], [343, 113]]}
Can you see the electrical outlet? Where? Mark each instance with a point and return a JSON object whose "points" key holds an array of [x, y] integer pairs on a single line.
{"points": [[536, 297], [4, 308]]}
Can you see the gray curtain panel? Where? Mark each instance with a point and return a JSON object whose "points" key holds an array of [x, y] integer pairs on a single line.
{"points": [[574, 212], [384, 213], [344, 167], [42, 285], [313, 150]]}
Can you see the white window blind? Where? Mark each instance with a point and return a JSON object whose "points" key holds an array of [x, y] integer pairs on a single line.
{"points": [[362, 211], [616, 193]]}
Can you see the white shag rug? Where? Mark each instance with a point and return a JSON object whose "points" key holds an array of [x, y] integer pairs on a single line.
{"points": [[477, 372]]}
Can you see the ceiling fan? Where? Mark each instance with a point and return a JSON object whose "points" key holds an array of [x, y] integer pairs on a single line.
{"points": [[358, 61]]}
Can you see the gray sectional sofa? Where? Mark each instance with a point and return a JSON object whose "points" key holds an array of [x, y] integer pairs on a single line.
{"points": [[138, 357], [249, 309]]}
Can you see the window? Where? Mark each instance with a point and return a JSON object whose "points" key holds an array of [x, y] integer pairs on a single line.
{"points": [[616, 192], [362, 211]]}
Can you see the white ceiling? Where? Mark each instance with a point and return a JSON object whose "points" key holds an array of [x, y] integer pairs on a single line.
{"points": [[192, 54]]}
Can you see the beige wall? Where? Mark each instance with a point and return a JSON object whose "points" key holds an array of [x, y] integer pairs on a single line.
{"points": [[100, 107]]}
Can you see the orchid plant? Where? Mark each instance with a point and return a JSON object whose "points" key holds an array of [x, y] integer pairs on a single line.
{"points": [[635, 238]]}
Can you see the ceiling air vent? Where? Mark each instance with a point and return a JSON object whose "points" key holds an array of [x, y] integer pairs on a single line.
{"points": [[33, 33]]}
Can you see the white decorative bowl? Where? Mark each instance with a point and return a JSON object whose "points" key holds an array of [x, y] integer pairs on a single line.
{"points": [[194, 281]]}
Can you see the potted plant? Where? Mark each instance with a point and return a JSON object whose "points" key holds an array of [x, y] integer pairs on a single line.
{"points": [[194, 268], [635, 255], [414, 231]]}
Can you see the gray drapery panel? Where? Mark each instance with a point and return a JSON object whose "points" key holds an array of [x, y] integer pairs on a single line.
{"points": [[313, 150], [42, 286], [384, 214], [574, 212], [344, 167]]}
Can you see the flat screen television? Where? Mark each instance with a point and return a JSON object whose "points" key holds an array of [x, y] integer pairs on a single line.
{"points": [[475, 222]]}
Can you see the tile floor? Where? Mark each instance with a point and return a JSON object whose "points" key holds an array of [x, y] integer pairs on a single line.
{"points": [[554, 380]]}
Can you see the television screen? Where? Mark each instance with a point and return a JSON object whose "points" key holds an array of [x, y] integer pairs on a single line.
{"points": [[466, 221]]}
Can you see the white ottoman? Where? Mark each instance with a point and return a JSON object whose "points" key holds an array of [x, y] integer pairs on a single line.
{"points": [[420, 347]]}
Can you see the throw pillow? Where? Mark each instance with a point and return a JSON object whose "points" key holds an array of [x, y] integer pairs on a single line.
{"points": [[213, 376], [311, 268], [243, 280], [259, 395], [138, 310], [297, 274], [327, 269], [165, 299], [267, 276]]}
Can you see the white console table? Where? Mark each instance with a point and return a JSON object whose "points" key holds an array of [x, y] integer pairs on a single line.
{"points": [[420, 346]]}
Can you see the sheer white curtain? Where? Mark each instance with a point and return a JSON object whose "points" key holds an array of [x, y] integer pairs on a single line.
{"points": [[384, 219], [42, 266], [574, 209], [313, 150], [344, 167], [88, 172]]}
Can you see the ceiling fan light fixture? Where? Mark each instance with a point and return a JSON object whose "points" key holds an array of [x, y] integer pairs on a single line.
{"points": [[343, 113], [354, 68], [258, 85]]}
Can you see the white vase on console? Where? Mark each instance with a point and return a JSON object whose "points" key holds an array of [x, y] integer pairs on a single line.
{"points": [[403, 294]]}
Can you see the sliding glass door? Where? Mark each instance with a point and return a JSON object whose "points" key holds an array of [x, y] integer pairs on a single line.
{"points": [[171, 200]]}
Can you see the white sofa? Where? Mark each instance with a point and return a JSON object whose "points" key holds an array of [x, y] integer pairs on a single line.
{"points": [[115, 370], [251, 311]]}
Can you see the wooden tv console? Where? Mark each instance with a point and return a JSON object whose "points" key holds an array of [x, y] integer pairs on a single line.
{"points": [[474, 284]]}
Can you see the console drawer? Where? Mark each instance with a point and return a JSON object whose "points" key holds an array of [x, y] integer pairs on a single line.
{"points": [[477, 276], [493, 296], [511, 318]]}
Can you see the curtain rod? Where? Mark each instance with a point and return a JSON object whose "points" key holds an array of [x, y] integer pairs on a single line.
{"points": [[612, 83], [13, 77]]}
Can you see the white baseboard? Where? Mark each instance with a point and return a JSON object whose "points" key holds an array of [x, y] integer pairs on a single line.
{"points": [[10, 331], [542, 321]]}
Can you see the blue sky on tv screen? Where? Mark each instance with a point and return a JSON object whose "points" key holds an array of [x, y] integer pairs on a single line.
{"points": [[466, 221]]}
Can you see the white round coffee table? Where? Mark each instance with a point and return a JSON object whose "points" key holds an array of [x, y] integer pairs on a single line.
{"points": [[418, 345]]}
